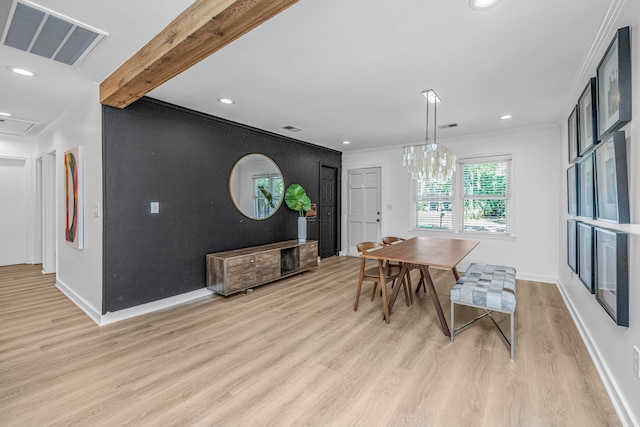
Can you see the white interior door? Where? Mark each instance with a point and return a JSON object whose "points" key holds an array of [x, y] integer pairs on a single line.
{"points": [[364, 204], [13, 211]]}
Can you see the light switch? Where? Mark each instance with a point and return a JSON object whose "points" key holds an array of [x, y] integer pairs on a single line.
{"points": [[155, 207]]}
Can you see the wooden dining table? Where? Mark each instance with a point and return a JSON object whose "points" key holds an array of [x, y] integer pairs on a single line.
{"points": [[421, 253]]}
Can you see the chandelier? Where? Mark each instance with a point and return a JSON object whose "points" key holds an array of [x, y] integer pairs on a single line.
{"points": [[429, 161]]}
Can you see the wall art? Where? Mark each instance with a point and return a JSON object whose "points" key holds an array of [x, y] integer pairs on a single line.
{"points": [[614, 85], [612, 187], [73, 189], [612, 273]]}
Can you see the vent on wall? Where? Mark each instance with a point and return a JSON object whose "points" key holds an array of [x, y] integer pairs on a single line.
{"points": [[32, 28]]}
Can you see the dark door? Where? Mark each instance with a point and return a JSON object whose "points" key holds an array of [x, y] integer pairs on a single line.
{"points": [[328, 211]]}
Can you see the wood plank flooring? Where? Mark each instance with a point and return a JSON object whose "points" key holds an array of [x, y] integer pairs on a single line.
{"points": [[292, 353]]}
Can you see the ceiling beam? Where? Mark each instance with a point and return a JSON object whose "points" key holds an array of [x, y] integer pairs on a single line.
{"points": [[203, 28]]}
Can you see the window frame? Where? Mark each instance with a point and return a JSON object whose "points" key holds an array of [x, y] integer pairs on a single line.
{"points": [[458, 199]]}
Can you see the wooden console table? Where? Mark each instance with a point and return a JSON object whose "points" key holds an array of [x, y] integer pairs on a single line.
{"points": [[240, 269]]}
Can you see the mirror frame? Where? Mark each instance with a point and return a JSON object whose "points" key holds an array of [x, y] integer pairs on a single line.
{"points": [[233, 196]]}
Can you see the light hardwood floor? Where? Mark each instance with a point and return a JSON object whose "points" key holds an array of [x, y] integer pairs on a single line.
{"points": [[291, 353]]}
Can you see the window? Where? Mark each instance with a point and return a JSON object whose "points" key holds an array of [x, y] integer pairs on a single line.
{"points": [[263, 185], [477, 198], [433, 205]]}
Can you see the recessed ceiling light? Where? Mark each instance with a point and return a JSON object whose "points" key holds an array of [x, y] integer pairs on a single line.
{"points": [[227, 101], [346, 142], [482, 4], [21, 71], [505, 116], [5, 114]]}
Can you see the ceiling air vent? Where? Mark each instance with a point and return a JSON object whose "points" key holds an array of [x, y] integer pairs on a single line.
{"points": [[291, 128], [15, 126], [35, 29]]}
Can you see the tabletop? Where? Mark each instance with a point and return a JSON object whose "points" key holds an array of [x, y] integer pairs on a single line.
{"points": [[431, 251]]}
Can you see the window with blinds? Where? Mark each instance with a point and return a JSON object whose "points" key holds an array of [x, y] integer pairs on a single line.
{"points": [[485, 196], [476, 199], [434, 204]]}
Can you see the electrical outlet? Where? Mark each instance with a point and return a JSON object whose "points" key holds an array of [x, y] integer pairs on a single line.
{"points": [[636, 360]]}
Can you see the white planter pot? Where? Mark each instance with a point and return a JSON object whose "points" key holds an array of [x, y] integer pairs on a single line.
{"points": [[302, 229]]}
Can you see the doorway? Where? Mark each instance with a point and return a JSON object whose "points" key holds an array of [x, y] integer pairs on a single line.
{"points": [[364, 204], [13, 211]]}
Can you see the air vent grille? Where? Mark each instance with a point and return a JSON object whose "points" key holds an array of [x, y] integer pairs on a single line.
{"points": [[15, 126], [31, 28]]}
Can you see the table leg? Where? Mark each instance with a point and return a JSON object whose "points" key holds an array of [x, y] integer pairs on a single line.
{"points": [[436, 301], [404, 270], [455, 273], [421, 283], [409, 285], [385, 305]]}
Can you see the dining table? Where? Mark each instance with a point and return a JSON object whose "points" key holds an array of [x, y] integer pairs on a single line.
{"points": [[420, 253]]}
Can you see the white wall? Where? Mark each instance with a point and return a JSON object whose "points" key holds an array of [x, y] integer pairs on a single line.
{"points": [[536, 154], [611, 345], [16, 147], [79, 272]]}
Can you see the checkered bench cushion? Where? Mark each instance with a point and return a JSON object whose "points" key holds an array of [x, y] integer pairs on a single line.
{"points": [[488, 286]]}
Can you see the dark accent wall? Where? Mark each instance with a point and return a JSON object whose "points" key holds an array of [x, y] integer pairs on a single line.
{"points": [[154, 151]]}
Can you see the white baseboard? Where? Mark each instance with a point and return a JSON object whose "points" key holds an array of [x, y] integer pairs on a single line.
{"points": [[128, 313], [90, 311], [620, 404], [537, 278], [150, 307]]}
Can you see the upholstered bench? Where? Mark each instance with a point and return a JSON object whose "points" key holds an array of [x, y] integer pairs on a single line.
{"points": [[489, 287]]}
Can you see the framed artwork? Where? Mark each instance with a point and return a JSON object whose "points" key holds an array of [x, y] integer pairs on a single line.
{"points": [[612, 187], [587, 118], [586, 205], [572, 190], [612, 273], [614, 85], [572, 259], [585, 255], [73, 230], [572, 126]]}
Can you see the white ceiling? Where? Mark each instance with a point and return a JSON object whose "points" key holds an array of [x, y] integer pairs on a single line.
{"points": [[343, 69]]}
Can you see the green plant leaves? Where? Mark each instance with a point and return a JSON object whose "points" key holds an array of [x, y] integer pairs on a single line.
{"points": [[296, 199]]}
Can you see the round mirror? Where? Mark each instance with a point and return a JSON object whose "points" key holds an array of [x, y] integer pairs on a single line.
{"points": [[256, 186]]}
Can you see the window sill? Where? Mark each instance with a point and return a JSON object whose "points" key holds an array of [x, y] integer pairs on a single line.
{"points": [[463, 234]]}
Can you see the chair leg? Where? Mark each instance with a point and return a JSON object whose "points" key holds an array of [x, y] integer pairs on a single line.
{"points": [[359, 288], [453, 321], [373, 294], [513, 341]]}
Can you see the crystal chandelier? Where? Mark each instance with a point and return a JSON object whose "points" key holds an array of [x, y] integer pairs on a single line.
{"points": [[429, 161]]}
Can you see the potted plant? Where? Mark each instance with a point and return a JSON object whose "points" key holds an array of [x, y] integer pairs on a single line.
{"points": [[297, 200]]}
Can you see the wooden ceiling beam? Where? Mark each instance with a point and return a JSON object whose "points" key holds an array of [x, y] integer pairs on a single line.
{"points": [[203, 28]]}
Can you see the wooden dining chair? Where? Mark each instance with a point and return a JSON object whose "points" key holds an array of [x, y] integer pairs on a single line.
{"points": [[372, 273], [390, 240]]}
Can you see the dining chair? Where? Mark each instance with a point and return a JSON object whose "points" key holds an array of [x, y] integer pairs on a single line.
{"points": [[372, 273], [390, 240]]}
